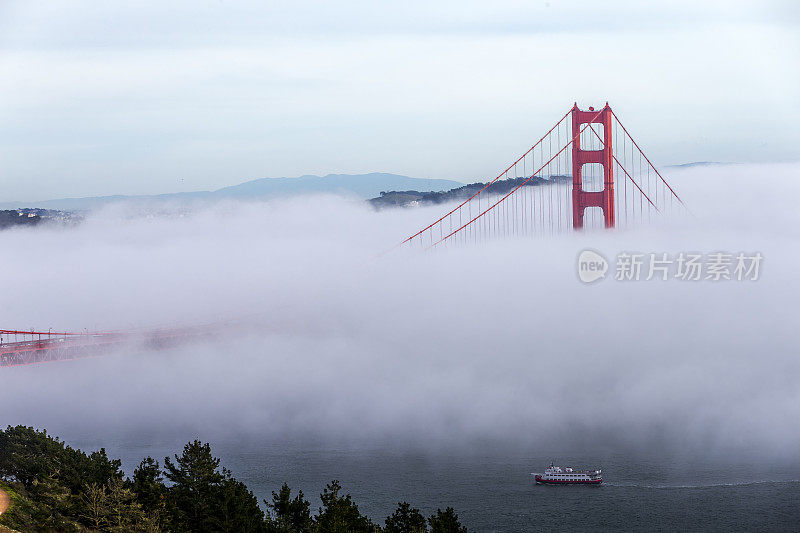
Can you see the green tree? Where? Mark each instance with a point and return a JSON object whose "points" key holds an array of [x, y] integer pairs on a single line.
{"points": [[27, 455], [339, 514], [96, 467], [54, 500], [446, 522], [148, 485], [95, 507], [287, 514], [195, 481], [124, 512], [115, 509], [239, 510], [406, 519]]}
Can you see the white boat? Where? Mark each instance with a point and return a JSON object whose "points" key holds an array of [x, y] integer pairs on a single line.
{"points": [[555, 475]]}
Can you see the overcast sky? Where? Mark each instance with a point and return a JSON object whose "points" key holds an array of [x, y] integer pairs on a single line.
{"points": [[98, 97]]}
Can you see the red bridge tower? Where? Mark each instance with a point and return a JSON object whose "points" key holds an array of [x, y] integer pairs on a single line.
{"points": [[582, 199]]}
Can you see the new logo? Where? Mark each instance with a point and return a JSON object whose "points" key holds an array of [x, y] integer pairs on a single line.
{"points": [[591, 266]]}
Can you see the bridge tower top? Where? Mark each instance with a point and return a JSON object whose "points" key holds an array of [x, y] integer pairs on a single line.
{"points": [[581, 199]]}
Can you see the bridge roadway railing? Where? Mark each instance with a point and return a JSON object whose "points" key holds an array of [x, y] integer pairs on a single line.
{"points": [[42, 347], [57, 349]]}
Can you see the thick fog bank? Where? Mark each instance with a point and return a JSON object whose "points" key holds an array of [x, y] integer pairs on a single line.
{"points": [[474, 347]]}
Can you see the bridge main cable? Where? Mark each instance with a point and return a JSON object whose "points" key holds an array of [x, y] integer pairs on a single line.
{"points": [[505, 172], [512, 191], [626, 172], [647, 159]]}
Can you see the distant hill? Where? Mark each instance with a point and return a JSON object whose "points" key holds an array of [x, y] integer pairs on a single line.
{"points": [[361, 185], [415, 198], [698, 164]]}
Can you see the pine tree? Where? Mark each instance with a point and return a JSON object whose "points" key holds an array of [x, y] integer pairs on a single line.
{"points": [[406, 519], [125, 513], [148, 485], [239, 510], [291, 515], [339, 514], [446, 522], [95, 508], [196, 480]]}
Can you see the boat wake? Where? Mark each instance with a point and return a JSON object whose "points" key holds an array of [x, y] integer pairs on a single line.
{"points": [[702, 485]]}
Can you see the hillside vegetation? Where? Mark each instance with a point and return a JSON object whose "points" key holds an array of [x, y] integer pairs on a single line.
{"points": [[500, 187], [54, 487]]}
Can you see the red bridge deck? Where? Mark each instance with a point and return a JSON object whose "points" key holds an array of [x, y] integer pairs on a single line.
{"points": [[29, 347]]}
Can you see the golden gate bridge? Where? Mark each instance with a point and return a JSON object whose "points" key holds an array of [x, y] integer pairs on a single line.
{"points": [[565, 181]]}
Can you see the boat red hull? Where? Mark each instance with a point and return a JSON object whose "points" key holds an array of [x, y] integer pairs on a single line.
{"points": [[567, 481]]}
